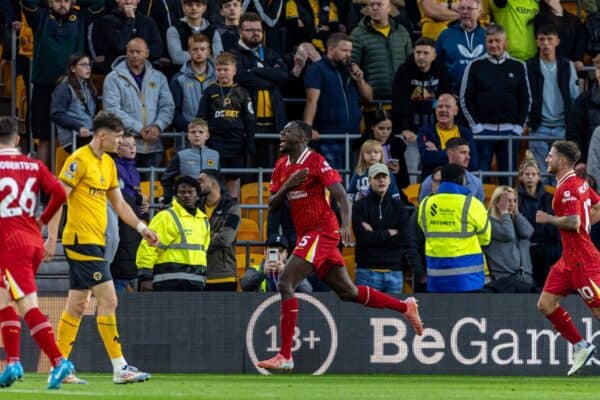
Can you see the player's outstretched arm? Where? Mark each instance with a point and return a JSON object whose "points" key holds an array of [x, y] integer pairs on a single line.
{"points": [[125, 212], [340, 195], [567, 222]]}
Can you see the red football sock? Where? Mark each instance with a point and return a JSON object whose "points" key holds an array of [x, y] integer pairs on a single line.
{"points": [[42, 333], [562, 322], [367, 296], [289, 315], [10, 328]]}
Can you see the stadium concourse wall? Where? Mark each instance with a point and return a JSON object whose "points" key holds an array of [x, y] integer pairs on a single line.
{"points": [[476, 334]]}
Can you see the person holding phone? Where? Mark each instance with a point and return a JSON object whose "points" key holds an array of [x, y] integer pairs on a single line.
{"points": [[264, 277]]}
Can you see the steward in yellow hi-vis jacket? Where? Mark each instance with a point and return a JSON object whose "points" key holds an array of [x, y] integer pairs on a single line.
{"points": [[179, 262], [455, 225]]}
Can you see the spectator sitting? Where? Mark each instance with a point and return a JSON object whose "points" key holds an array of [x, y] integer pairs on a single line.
{"points": [[502, 81], [58, 32], [380, 223], [123, 268], [139, 95], [190, 83], [507, 254], [112, 33], [570, 30], [179, 263], [417, 84], [516, 16], [224, 216], [371, 153], [190, 161], [453, 238], [462, 42], [334, 89], [459, 153], [231, 11], [553, 82], [545, 247], [310, 22], [227, 107], [585, 117], [263, 73], [191, 23], [74, 103], [433, 138], [264, 277]]}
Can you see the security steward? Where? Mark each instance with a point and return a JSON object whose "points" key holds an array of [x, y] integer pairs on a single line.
{"points": [[179, 262], [455, 225]]}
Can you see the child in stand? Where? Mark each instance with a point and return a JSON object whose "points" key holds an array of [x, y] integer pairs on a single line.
{"points": [[192, 160], [123, 267], [371, 152], [227, 107]]}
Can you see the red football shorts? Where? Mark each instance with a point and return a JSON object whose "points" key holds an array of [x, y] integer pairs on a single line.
{"points": [[585, 279], [18, 269], [321, 250]]}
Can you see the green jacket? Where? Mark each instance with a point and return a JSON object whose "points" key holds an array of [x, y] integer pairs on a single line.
{"points": [[378, 56], [56, 37]]}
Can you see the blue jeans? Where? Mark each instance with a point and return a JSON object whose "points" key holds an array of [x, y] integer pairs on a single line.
{"points": [[541, 148], [122, 284], [387, 282], [487, 148]]}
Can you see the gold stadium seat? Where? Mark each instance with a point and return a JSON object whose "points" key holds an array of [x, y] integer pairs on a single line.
{"points": [[412, 193], [249, 195], [248, 231], [550, 189], [60, 156], [488, 190], [158, 189]]}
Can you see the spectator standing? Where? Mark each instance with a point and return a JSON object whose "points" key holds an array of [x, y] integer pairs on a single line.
{"points": [[192, 80], [584, 117], [264, 277], [516, 17], [593, 159], [433, 139], [453, 238], [113, 31], [334, 90], [298, 61], [74, 103], [139, 95], [58, 32], [507, 254], [502, 81], [228, 110], [380, 222], [436, 15], [231, 11], [180, 262], [417, 85], [569, 28], [458, 152], [462, 42], [190, 161], [310, 22], [123, 267], [191, 23], [371, 153], [545, 246], [263, 73], [224, 216], [553, 82]]}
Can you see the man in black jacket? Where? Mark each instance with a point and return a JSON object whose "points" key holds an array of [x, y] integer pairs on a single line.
{"points": [[495, 98], [263, 72], [380, 225], [553, 81], [112, 32]]}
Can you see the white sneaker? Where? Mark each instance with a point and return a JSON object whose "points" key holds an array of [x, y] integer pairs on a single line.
{"points": [[581, 357], [130, 374], [73, 379]]}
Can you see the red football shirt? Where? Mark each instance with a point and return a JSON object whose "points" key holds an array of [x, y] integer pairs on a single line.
{"points": [[21, 179], [308, 201], [573, 196]]}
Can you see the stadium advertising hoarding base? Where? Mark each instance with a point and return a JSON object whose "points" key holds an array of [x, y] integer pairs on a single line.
{"points": [[480, 334]]}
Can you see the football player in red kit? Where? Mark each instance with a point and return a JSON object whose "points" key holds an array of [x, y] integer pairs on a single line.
{"points": [[304, 177], [576, 207], [21, 252]]}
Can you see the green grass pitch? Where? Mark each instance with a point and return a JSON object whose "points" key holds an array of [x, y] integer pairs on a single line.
{"points": [[307, 387]]}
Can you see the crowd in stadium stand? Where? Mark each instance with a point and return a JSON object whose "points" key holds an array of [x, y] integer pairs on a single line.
{"points": [[418, 84]]}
